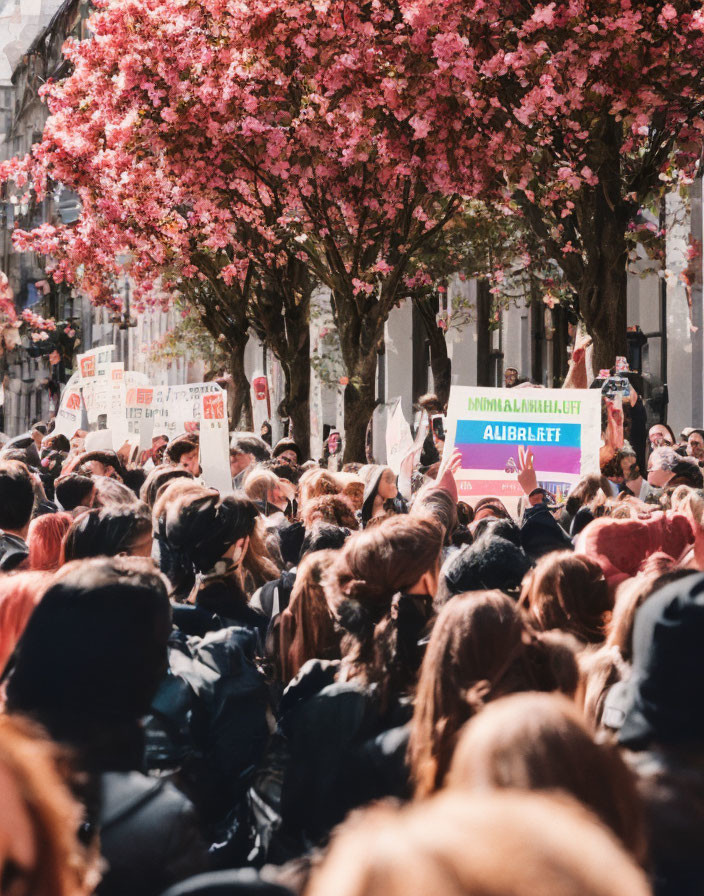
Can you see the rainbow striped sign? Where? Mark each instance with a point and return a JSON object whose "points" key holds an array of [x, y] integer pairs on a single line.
{"points": [[562, 428]]}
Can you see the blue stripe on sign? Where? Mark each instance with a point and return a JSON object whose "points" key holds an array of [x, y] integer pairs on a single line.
{"points": [[491, 432]]}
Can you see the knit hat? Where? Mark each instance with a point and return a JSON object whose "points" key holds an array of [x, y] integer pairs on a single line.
{"points": [[488, 563]]}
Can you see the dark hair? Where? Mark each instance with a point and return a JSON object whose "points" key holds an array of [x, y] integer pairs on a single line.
{"points": [[247, 444], [687, 473], [489, 527], [323, 536], [73, 491], [106, 531], [480, 649], [490, 562], [202, 525], [16, 495], [158, 477], [180, 446], [57, 442], [94, 650]]}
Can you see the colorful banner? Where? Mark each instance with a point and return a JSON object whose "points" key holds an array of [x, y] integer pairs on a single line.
{"points": [[562, 427]]}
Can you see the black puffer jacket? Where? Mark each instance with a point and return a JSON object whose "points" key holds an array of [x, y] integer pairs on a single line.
{"points": [[148, 835], [209, 724]]}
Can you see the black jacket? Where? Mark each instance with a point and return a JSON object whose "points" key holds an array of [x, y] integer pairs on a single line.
{"points": [[336, 749], [148, 834]]}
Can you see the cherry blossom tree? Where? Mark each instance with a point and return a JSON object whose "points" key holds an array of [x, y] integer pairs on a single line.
{"points": [[583, 110], [218, 142]]}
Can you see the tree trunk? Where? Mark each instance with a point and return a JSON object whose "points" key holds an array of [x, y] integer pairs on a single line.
{"points": [[360, 401], [240, 409], [440, 362], [603, 300], [296, 404]]}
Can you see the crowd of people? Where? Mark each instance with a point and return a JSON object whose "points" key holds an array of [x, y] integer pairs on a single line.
{"points": [[316, 684]]}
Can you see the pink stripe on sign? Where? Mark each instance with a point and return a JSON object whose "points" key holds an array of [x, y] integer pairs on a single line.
{"points": [[547, 458]]}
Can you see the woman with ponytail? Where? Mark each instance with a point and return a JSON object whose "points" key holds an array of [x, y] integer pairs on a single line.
{"points": [[344, 723]]}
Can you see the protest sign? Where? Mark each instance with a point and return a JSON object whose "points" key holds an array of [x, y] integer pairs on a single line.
{"points": [[71, 414], [562, 427], [95, 363], [399, 440], [214, 442]]}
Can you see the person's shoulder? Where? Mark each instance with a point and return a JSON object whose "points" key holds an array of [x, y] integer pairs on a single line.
{"points": [[134, 797]]}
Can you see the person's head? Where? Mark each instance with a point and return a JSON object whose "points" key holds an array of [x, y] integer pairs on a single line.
{"points": [[438, 504], [112, 493], [184, 452], [490, 562], [568, 592], [19, 595], [627, 464], [331, 509], [74, 491], [373, 571], [265, 487], [380, 487], [695, 444], [542, 742], [585, 491], [661, 463], [16, 497], [101, 463], [510, 377], [323, 537], [94, 651], [56, 442], [247, 449], [288, 451], [158, 448], [40, 852], [306, 629], [480, 649], [206, 528], [498, 844], [44, 539], [489, 507], [109, 532], [158, 477], [660, 435], [316, 483]]}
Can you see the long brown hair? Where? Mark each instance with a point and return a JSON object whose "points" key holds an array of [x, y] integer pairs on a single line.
{"points": [[306, 629], [541, 742], [567, 591], [480, 649]]}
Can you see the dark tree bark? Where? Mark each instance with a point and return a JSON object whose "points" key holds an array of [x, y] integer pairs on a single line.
{"points": [[296, 404], [240, 410], [440, 362]]}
